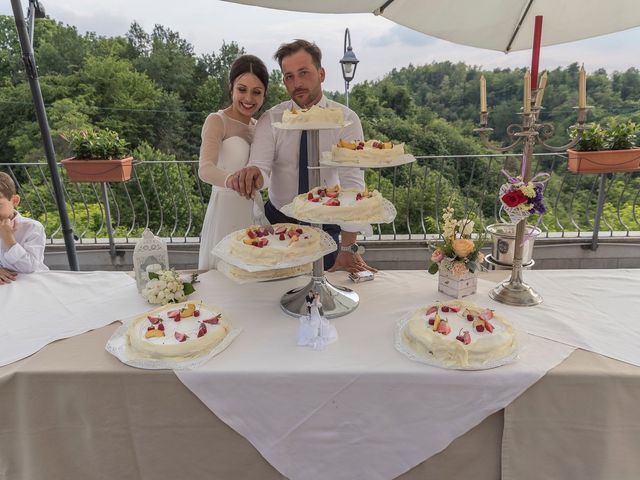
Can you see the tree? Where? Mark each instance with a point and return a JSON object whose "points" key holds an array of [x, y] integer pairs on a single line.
{"points": [[167, 59]]}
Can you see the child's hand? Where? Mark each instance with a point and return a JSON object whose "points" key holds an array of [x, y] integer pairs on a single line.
{"points": [[7, 276], [6, 233]]}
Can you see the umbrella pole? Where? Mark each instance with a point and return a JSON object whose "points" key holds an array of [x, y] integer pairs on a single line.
{"points": [[535, 53], [41, 114]]}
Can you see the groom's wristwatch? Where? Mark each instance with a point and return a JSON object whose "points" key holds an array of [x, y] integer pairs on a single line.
{"points": [[353, 248]]}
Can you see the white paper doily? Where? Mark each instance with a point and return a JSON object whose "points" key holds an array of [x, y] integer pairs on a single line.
{"points": [[402, 346], [326, 160], [223, 250], [270, 275], [389, 214], [311, 126], [118, 346]]}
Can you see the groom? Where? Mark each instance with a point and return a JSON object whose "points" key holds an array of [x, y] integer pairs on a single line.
{"points": [[278, 158]]}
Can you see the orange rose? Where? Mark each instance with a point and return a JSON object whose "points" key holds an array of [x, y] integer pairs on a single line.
{"points": [[462, 247]]}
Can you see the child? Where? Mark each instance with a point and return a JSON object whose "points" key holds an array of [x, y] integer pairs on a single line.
{"points": [[22, 239]]}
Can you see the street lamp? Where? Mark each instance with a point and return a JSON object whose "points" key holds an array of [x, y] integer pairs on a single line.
{"points": [[348, 63]]}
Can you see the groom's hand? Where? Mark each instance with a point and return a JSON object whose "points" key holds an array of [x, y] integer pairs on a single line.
{"points": [[246, 181], [351, 262]]}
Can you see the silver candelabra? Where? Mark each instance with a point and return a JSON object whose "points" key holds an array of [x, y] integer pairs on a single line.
{"points": [[528, 133]]}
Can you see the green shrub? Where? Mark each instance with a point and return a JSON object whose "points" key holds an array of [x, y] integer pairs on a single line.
{"points": [[96, 144]]}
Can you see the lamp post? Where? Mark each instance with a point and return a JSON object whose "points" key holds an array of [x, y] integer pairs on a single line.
{"points": [[348, 63]]}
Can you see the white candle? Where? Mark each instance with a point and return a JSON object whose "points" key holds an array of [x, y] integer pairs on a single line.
{"points": [[483, 94], [582, 88], [540, 93], [526, 100]]}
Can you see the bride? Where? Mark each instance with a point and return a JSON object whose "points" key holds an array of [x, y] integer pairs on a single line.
{"points": [[226, 137]]}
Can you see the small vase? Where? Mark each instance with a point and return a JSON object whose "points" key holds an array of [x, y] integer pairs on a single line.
{"points": [[456, 286]]}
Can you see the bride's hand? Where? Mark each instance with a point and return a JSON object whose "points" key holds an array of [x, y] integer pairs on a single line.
{"points": [[246, 181]]}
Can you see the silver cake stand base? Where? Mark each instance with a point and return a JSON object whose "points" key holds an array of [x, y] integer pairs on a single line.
{"points": [[515, 293], [336, 301]]}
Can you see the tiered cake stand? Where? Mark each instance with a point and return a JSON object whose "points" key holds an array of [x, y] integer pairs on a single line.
{"points": [[336, 300]]}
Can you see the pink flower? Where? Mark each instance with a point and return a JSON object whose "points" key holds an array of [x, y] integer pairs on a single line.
{"points": [[437, 255]]}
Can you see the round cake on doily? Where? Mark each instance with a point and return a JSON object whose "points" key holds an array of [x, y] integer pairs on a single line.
{"points": [[177, 331], [315, 114], [274, 244], [335, 204], [369, 152], [459, 334]]}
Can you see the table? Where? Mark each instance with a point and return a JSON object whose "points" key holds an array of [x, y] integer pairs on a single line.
{"points": [[73, 411]]}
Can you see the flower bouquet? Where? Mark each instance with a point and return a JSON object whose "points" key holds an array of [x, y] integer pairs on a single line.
{"points": [[458, 257], [166, 286], [520, 199], [458, 253]]}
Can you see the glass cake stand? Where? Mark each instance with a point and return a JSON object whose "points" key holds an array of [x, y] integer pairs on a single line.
{"points": [[336, 300]]}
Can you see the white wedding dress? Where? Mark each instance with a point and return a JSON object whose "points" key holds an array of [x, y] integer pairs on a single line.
{"points": [[227, 211]]}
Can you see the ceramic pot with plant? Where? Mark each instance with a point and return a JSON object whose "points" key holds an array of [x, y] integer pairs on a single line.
{"points": [[605, 149], [99, 155]]}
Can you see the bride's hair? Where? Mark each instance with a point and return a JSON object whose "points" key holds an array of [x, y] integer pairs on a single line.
{"points": [[248, 64]]}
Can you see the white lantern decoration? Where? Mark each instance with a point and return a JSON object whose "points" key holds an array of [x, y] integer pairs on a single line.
{"points": [[149, 255]]}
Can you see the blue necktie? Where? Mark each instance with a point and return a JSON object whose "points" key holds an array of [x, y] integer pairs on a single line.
{"points": [[303, 173]]}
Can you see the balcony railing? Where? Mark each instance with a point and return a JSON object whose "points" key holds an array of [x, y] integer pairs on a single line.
{"points": [[168, 198]]}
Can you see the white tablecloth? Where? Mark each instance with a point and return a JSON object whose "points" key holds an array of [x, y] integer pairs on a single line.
{"points": [[359, 409], [40, 308], [596, 310]]}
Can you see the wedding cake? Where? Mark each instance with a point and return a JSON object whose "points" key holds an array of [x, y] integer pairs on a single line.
{"points": [[177, 331], [371, 152], [335, 204], [459, 334], [275, 244], [315, 114]]}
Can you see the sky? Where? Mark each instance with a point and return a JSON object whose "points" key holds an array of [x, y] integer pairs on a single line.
{"points": [[379, 44]]}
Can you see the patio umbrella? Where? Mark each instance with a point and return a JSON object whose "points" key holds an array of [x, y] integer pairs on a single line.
{"points": [[503, 25]]}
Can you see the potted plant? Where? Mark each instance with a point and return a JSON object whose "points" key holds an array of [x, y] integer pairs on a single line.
{"points": [[100, 155], [605, 149]]}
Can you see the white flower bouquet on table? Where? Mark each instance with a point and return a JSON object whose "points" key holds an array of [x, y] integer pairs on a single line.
{"points": [[166, 286]]}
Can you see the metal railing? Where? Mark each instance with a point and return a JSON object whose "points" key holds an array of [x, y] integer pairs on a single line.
{"points": [[169, 198]]}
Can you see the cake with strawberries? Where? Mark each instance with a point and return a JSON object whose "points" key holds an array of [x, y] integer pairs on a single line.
{"points": [[316, 115], [275, 244], [459, 334], [335, 204], [371, 152], [177, 331]]}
